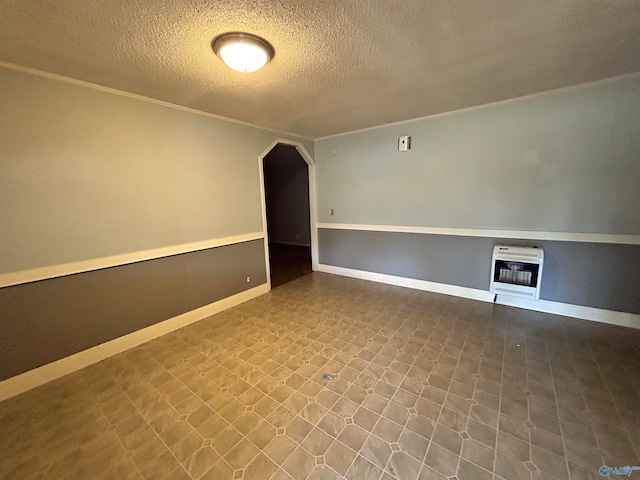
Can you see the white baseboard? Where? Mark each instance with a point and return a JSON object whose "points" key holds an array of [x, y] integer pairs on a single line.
{"points": [[577, 311], [556, 308], [34, 378], [443, 288]]}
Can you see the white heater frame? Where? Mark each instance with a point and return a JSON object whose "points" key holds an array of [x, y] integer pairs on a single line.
{"points": [[526, 255]]}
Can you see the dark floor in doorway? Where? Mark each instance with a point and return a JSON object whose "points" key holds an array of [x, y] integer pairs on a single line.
{"points": [[288, 262]]}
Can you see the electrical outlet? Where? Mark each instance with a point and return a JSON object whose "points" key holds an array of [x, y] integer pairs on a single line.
{"points": [[331, 212], [248, 279]]}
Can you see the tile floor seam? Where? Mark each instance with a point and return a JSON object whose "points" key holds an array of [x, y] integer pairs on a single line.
{"points": [[441, 407], [564, 445], [467, 429], [118, 437], [340, 397], [528, 388], [243, 437], [529, 430], [445, 401], [504, 354], [157, 435], [328, 410], [377, 421], [615, 404], [380, 416], [584, 401]]}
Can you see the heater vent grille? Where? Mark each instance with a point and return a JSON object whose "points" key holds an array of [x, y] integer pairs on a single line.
{"points": [[533, 256], [517, 271], [517, 293]]}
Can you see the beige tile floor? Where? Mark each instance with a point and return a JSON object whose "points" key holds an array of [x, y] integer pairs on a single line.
{"points": [[427, 387]]}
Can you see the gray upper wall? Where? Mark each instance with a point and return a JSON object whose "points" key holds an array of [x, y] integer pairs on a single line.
{"points": [[86, 173], [563, 161]]}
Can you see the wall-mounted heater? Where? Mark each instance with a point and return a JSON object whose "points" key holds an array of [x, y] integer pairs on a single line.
{"points": [[517, 271]]}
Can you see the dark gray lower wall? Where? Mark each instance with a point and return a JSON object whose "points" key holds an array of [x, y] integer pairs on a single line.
{"points": [[48, 320], [589, 274]]}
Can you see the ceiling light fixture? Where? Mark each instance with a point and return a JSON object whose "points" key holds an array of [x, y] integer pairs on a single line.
{"points": [[243, 52]]}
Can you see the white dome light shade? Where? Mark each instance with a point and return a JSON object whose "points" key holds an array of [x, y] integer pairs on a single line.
{"points": [[243, 57], [243, 52]]}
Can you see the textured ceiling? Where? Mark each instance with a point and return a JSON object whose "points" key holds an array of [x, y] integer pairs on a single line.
{"points": [[339, 65]]}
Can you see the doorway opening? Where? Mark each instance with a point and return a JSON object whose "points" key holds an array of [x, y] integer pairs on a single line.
{"points": [[287, 176]]}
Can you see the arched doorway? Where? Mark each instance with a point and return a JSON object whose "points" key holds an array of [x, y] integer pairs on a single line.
{"points": [[288, 195]]}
